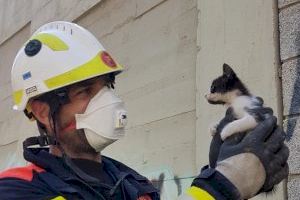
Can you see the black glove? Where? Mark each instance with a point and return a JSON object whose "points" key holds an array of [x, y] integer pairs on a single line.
{"points": [[267, 145], [266, 141], [259, 113]]}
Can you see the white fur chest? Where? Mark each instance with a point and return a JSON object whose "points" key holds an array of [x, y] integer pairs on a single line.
{"points": [[239, 104]]}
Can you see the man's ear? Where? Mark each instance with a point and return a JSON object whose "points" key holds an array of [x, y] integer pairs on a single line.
{"points": [[227, 71], [41, 111]]}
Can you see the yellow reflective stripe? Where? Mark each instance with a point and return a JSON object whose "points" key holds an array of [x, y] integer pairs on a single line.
{"points": [[58, 198], [92, 68], [17, 95], [52, 41], [199, 194]]}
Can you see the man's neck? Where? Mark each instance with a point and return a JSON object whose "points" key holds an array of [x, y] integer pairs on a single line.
{"points": [[89, 156]]}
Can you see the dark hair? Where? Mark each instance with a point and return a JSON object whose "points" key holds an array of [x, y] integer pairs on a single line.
{"points": [[109, 80]]}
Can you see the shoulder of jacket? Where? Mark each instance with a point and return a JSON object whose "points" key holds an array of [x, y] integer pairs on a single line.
{"points": [[24, 173]]}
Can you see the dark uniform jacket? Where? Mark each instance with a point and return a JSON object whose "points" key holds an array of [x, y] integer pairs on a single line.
{"points": [[49, 177]]}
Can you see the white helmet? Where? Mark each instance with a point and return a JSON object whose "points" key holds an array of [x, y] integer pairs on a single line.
{"points": [[58, 54]]}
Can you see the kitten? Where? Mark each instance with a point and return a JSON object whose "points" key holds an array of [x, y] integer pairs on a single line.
{"points": [[229, 90]]}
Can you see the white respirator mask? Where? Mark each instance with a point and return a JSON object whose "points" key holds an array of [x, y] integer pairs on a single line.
{"points": [[104, 119]]}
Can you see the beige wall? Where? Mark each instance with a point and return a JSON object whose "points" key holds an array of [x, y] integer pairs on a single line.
{"points": [[12, 125], [171, 50]]}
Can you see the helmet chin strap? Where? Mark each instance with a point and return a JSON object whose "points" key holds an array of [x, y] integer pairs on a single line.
{"points": [[55, 100], [54, 127], [43, 139]]}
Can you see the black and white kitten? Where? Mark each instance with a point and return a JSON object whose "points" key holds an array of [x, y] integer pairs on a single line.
{"points": [[229, 90]]}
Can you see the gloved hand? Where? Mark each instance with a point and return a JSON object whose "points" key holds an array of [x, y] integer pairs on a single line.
{"points": [[260, 113], [256, 160]]}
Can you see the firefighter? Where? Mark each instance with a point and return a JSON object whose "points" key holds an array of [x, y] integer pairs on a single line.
{"points": [[63, 79]]}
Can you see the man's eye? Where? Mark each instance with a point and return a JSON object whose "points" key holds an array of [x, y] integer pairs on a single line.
{"points": [[83, 91]]}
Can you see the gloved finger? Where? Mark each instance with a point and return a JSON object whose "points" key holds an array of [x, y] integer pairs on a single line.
{"points": [[274, 165], [278, 162], [259, 100], [276, 177], [260, 113], [262, 130], [282, 174], [214, 150], [276, 140], [235, 139], [261, 110], [282, 155]]}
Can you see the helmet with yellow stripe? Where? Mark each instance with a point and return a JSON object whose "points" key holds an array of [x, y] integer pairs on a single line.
{"points": [[57, 55]]}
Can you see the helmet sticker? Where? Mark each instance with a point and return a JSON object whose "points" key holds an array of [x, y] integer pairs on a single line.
{"points": [[31, 90], [27, 75], [33, 47], [107, 59]]}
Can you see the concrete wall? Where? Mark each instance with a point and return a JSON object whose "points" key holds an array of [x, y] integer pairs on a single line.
{"points": [[289, 15], [171, 50]]}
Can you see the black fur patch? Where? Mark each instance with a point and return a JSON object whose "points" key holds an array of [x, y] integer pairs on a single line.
{"points": [[228, 82]]}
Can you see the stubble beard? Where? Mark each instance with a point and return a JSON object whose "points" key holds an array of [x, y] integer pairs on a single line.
{"points": [[76, 142]]}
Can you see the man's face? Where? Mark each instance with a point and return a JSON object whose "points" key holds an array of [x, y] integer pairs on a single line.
{"points": [[72, 140], [80, 95]]}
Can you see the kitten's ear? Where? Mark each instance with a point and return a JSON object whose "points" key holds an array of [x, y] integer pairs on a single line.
{"points": [[227, 71]]}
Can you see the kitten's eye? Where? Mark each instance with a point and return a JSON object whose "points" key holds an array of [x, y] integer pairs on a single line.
{"points": [[212, 89]]}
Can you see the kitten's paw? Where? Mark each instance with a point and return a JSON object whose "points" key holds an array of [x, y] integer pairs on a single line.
{"points": [[225, 134], [213, 129]]}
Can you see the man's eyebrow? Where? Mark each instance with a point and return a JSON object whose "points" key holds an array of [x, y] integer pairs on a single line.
{"points": [[84, 83]]}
